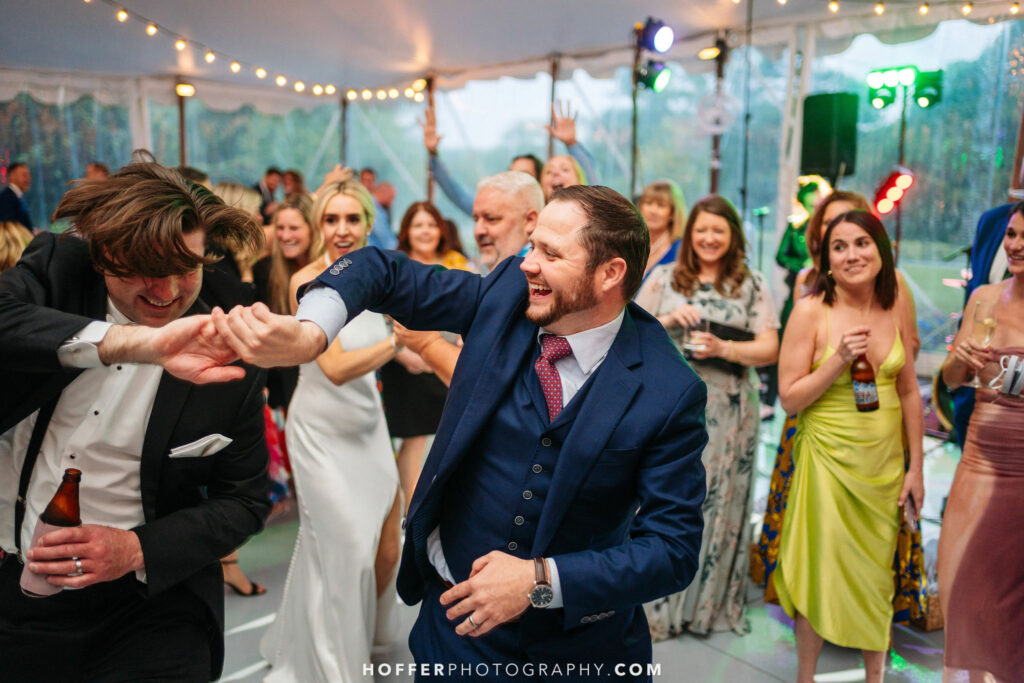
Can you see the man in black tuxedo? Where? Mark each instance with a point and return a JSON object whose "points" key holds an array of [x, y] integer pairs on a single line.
{"points": [[12, 198], [267, 186], [173, 474]]}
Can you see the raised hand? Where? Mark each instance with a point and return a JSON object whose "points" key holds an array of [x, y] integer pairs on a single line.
{"points": [[563, 123], [429, 125], [266, 339]]}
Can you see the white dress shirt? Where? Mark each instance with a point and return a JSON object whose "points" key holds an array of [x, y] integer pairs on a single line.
{"points": [[98, 427], [323, 306]]}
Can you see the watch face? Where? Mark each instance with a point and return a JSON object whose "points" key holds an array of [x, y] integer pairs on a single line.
{"points": [[541, 596]]}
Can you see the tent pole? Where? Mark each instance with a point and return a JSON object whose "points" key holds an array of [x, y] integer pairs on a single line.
{"points": [[430, 105], [181, 131], [551, 121], [633, 152], [344, 129], [746, 127], [716, 139]]}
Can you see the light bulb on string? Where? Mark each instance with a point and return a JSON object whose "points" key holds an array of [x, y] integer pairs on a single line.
{"points": [[261, 73], [418, 97], [923, 9], [367, 95], [209, 57], [782, 2], [179, 44], [318, 90], [330, 90], [419, 84], [393, 93], [122, 16], [382, 95], [409, 92], [351, 95], [299, 86], [235, 67], [880, 8], [966, 8], [281, 81], [833, 7], [151, 30], [1015, 8]]}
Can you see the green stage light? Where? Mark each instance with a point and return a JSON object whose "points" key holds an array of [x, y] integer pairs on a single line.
{"points": [[654, 76], [907, 75], [928, 88], [881, 98]]}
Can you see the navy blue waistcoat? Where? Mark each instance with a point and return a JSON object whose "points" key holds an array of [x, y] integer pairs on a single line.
{"points": [[494, 499]]}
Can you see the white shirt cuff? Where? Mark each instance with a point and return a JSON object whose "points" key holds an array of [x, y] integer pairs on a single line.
{"points": [[556, 584], [82, 350], [324, 307]]}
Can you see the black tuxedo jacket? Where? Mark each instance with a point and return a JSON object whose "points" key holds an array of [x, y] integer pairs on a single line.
{"points": [[198, 509], [11, 208]]}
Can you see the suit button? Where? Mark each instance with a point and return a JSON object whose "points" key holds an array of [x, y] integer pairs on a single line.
{"points": [[513, 546], [519, 520], [545, 442], [537, 469], [527, 495]]}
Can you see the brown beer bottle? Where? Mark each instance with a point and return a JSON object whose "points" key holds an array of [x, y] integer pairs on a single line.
{"points": [[61, 512], [865, 391]]}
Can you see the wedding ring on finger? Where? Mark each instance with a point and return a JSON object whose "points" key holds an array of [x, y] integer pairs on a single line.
{"points": [[473, 623], [78, 567]]}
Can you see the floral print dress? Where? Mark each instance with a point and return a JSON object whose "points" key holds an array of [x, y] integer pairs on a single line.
{"points": [[716, 598]]}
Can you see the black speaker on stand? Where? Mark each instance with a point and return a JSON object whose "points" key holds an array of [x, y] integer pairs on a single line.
{"points": [[829, 146]]}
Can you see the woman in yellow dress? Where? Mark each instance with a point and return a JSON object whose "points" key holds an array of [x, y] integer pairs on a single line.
{"points": [[835, 574]]}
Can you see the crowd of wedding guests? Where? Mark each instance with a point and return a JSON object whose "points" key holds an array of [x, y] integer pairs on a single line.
{"points": [[840, 549]]}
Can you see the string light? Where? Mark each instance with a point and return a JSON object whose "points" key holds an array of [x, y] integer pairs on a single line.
{"points": [[318, 89], [393, 93], [419, 84], [179, 44], [209, 57], [782, 2], [122, 16], [351, 95], [923, 9], [299, 86], [418, 97], [261, 73], [833, 7], [1015, 8], [281, 81], [330, 90], [235, 67], [151, 30], [880, 8], [381, 95], [409, 92], [367, 95], [966, 8]]}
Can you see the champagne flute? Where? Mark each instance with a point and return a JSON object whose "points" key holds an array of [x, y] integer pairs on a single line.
{"points": [[703, 325], [983, 326]]}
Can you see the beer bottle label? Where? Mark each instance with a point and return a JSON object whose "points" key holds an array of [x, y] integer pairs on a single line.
{"points": [[865, 393]]}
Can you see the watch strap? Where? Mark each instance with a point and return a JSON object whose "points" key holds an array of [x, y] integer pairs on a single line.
{"points": [[541, 567]]}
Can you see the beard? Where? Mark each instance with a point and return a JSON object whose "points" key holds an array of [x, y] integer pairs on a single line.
{"points": [[563, 303]]}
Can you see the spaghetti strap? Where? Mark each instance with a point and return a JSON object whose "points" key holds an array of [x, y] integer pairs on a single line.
{"points": [[828, 327]]}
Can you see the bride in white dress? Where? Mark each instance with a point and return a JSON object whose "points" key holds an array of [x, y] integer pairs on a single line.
{"points": [[339, 596]]}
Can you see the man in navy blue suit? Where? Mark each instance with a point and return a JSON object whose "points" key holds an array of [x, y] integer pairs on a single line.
{"points": [[12, 197], [565, 484]]}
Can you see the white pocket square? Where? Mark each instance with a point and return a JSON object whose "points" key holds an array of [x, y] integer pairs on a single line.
{"points": [[208, 445]]}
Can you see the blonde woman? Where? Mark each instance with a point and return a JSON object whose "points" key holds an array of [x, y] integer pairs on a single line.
{"points": [[14, 237], [339, 593], [664, 210]]}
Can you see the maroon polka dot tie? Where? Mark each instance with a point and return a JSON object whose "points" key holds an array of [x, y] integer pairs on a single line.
{"points": [[552, 350]]}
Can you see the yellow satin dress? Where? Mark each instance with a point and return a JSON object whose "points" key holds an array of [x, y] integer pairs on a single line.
{"points": [[835, 563]]}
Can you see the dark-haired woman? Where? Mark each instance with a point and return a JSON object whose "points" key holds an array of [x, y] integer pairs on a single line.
{"points": [[710, 281], [835, 568], [413, 395]]}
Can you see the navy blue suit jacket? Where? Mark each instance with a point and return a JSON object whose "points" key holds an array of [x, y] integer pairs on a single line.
{"points": [[11, 208], [988, 240], [635, 444]]}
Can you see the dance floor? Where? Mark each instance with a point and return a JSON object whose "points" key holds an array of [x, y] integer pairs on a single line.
{"points": [[767, 653]]}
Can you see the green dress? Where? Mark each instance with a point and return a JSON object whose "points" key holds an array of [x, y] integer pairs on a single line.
{"points": [[835, 564]]}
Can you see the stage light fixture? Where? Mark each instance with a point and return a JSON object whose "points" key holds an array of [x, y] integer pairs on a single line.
{"points": [[151, 30], [907, 75], [880, 8], [881, 97], [330, 89], [122, 16], [185, 89], [833, 7], [235, 67], [893, 190], [179, 44], [209, 57], [654, 75], [928, 88], [656, 35], [318, 90], [923, 9], [261, 73]]}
